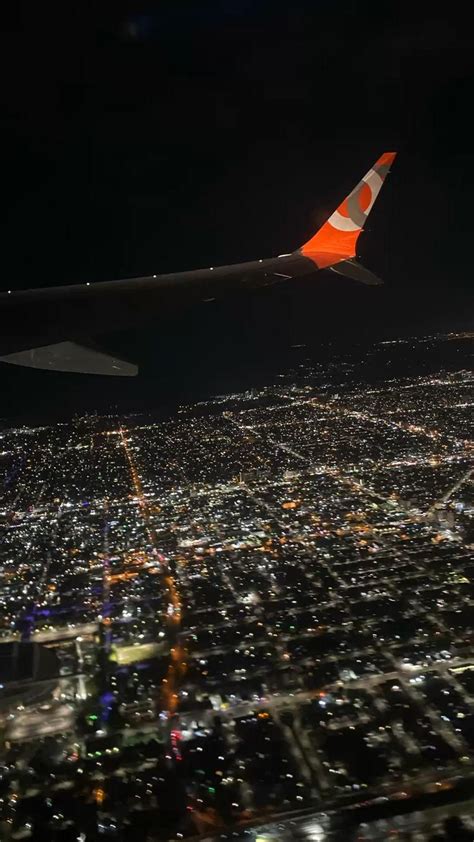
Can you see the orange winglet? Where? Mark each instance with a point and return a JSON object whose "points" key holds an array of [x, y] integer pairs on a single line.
{"points": [[336, 239]]}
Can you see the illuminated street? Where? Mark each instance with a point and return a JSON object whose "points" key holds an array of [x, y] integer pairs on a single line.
{"points": [[260, 606]]}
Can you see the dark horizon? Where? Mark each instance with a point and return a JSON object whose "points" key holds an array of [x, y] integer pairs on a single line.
{"points": [[263, 358]]}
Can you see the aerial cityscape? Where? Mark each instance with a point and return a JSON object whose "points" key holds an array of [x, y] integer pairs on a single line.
{"points": [[256, 609]]}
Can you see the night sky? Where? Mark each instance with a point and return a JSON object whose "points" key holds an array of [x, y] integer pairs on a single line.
{"points": [[158, 137]]}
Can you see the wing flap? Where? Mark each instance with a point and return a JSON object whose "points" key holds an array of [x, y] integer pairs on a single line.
{"points": [[72, 357], [352, 269]]}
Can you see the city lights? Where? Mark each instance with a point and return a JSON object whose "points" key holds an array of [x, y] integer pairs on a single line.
{"points": [[257, 605]]}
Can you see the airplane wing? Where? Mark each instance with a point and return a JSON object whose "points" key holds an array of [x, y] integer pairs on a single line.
{"points": [[50, 327]]}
